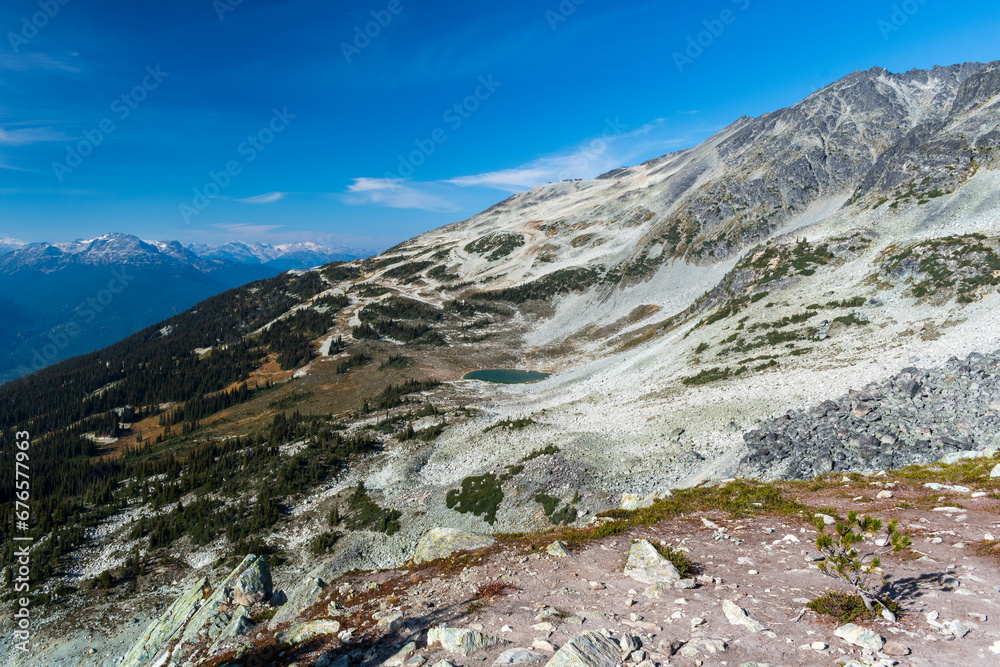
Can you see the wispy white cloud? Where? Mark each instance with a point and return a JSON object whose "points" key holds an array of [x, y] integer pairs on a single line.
{"points": [[25, 62], [245, 229], [266, 198], [396, 193], [30, 135], [614, 147]]}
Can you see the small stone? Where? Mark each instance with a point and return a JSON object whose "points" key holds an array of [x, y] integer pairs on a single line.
{"points": [[827, 519], [637, 656], [995, 472], [737, 615], [544, 627], [684, 584], [949, 583], [818, 646], [958, 628], [884, 494], [895, 649], [859, 636], [597, 586], [543, 646]]}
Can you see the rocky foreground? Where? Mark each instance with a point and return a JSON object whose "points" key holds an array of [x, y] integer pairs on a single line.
{"points": [[604, 595]]}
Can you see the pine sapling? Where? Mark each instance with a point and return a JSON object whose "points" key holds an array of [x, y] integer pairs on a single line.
{"points": [[859, 570]]}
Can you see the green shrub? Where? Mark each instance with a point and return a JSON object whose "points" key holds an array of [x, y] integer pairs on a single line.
{"points": [[366, 514], [680, 560], [844, 561], [480, 495]]}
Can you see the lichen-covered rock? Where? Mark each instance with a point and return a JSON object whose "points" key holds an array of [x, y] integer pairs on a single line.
{"points": [[239, 625], [558, 548], [198, 618], [306, 631], [590, 649], [634, 501], [456, 640], [301, 597], [170, 624], [252, 584], [441, 542], [646, 565]]}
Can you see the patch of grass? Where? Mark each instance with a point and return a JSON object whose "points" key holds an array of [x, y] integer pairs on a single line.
{"points": [[701, 348], [989, 549], [738, 498], [496, 246], [480, 495], [286, 402], [706, 376], [845, 607], [550, 504], [679, 559], [323, 542], [394, 361], [548, 450], [366, 514], [355, 360], [407, 273], [850, 320]]}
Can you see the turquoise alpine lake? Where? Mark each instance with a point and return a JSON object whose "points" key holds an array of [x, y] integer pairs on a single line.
{"points": [[506, 376]]}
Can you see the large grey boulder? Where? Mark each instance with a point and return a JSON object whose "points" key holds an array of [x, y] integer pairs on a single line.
{"points": [[170, 624], [441, 542], [646, 565], [198, 618], [306, 631], [590, 649], [456, 640]]}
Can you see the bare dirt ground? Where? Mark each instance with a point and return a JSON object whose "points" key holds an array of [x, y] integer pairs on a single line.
{"points": [[761, 562]]}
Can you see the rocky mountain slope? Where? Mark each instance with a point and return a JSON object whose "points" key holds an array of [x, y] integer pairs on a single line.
{"points": [[780, 301]]}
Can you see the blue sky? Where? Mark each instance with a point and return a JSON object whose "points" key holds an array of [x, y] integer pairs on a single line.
{"points": [[119, 116]]}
